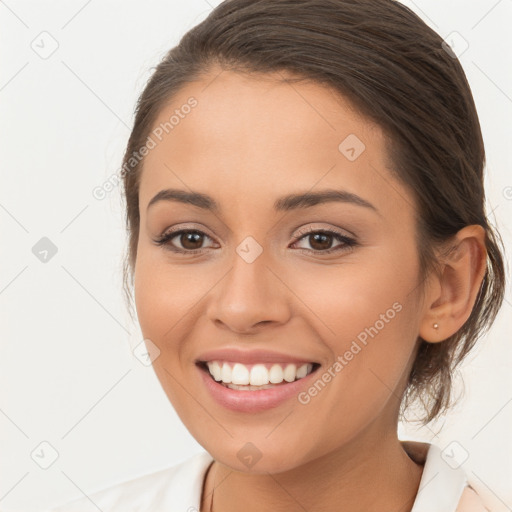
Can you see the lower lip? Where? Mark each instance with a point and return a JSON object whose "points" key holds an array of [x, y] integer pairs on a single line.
{"points": [[253, 401]]}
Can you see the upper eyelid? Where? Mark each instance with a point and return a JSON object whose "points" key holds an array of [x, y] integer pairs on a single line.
{"points": [[309, 229], [176, 230]]}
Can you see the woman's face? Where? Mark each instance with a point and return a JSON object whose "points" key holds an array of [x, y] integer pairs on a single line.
{"points": [[261, 284]]}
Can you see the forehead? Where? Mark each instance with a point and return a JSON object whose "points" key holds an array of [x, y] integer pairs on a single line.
{"points": [[255, 134]]}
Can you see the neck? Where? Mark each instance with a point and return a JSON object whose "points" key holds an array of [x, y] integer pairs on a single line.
{"points": [[366, 475]]}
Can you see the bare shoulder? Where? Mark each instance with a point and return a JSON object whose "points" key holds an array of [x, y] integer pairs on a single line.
{"points": [[470, 501]]}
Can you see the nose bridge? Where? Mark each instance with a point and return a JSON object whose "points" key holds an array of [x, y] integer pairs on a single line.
{"points": [[250, 293]]}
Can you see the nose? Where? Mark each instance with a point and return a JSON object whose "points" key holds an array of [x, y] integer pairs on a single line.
{"points": [[250, 296]]}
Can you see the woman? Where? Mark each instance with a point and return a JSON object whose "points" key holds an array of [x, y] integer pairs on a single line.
{"points": [[310, 255]]}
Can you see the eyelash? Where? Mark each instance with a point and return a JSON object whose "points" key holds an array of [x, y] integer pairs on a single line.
{"points": [[347, 242]]}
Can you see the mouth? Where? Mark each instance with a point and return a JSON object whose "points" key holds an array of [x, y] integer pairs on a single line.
{"points": [[255, 377]]}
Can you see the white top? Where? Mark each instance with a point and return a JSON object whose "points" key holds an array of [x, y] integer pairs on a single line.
{"points": [[179, 488]]}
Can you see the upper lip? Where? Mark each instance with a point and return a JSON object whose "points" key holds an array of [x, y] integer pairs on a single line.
{"points": [[250, 356]]}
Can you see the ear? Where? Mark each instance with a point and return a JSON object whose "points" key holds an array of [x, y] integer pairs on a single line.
{"points": [[452, 293]]}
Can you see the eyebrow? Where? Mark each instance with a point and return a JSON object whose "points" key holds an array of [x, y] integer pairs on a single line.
{"points": [[285, 203]]}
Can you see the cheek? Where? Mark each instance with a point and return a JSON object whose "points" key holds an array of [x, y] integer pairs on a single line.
{"points": [[165, 294], [377, 286], [165, 297], [368, 317], [370, 356]]}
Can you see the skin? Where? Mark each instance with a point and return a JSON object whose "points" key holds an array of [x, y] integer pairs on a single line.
{"points": [[250, 140]]}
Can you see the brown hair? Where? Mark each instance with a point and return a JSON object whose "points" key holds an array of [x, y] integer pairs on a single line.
{"points": [[396, 72]]}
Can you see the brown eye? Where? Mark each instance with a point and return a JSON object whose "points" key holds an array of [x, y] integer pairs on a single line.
{"points": [[185, 241], [191, 240], [320, 241]]}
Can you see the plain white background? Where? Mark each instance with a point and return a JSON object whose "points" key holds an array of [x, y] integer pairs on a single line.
{"points": [[68, 377]]}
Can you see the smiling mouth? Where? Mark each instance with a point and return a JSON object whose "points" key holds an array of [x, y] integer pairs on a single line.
{"points": [[254, 377]]}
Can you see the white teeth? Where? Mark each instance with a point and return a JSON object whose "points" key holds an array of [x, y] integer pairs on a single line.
{"points": [[289, 372], [276, 374], [226, 373], [215, 370], [241, 377], [302, 371], [259, 375], [240, 374]]}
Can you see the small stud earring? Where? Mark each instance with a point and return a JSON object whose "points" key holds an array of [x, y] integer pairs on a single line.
{"points": [[436, 326]]}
